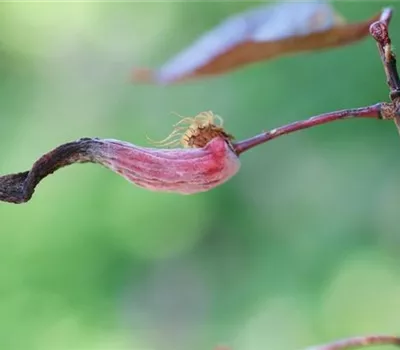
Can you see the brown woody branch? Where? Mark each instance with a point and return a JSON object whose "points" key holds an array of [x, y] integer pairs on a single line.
{"points": [[359, 342], [383, 110], [19, 188], [373, 111], [379, 31]]}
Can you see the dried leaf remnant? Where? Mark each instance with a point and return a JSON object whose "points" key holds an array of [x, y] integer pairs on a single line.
{"points": [[260, 34]]}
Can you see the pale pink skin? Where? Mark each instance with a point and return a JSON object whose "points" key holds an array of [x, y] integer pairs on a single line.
{"points": [[184, 171]]}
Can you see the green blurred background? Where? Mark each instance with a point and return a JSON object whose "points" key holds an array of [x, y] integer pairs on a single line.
{"points": [[301, 247]]}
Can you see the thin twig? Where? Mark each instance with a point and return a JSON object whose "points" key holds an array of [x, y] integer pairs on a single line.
{"points": [[373, 111], [359, 342], [379, 31]]}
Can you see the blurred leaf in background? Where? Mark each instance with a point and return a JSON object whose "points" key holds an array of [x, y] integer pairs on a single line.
{"points": [[301, 247], [259, 34]]}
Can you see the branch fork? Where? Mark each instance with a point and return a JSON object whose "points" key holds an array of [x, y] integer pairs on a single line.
{"points": [[383, 110]]}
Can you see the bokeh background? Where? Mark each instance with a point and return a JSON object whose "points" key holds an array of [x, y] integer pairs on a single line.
{"points": [[300, 248]]}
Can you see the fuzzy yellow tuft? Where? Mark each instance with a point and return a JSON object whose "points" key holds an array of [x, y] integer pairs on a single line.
{"points": [[195, 132]]}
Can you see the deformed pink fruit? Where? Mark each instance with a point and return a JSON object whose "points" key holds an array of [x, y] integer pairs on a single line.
{"points": [[207, 161], [183, 171]]}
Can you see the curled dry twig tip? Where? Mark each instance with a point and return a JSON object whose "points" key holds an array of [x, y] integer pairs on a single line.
{"points": [[207, 161]]}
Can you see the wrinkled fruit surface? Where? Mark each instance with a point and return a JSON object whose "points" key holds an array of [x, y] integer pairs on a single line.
{"points": [[184, 171]]}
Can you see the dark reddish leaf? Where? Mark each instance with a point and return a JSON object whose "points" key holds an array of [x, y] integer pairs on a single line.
{"points": [[259, 34]]}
